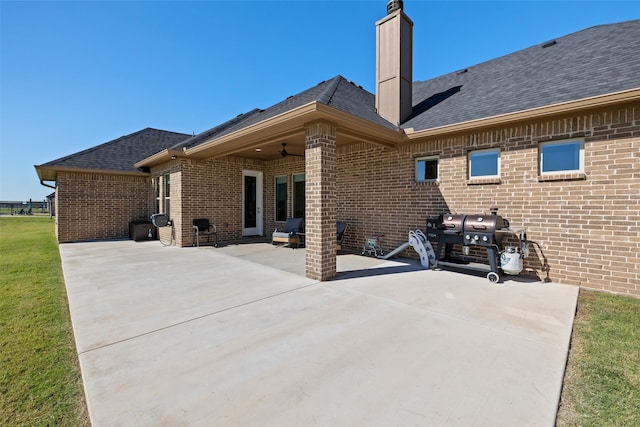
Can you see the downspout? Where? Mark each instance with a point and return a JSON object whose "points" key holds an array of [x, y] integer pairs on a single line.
{"points": [[46, 185]]}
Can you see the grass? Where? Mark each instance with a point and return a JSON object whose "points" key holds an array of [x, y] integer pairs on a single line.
{"points": [[40, 381], [16, 209], [602, 379]]}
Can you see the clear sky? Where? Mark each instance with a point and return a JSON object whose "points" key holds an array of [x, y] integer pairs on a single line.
{"points": [[75, 74]]}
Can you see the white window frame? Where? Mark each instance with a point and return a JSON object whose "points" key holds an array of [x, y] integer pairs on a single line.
{"points": [[157, 191], [425, 159], [166, 184], [487, 150], [578, 141]]}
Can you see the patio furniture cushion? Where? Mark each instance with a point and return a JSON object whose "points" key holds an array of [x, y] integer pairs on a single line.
{"points": [[290, 234]]}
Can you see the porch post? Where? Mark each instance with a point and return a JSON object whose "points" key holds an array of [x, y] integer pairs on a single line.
{"points": [[320, 207]]}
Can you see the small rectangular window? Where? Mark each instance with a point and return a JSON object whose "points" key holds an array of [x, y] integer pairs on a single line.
{"points": [[281, 198], [157, 191], [426, 169], [167, 194], [561, 156], [298, 195], [484, 163]]}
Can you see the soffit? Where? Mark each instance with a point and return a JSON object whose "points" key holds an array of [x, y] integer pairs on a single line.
{"points": [[50, 173]]}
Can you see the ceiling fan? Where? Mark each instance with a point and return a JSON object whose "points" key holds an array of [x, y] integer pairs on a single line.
{"points": [[285, 153]]}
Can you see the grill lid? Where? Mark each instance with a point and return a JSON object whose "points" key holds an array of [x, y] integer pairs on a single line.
{"points": [[484, 223], [452, 222]]}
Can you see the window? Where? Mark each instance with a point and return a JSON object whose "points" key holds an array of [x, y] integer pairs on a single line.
{"points": [[426, 169], [298, 195], [484, 163], [157, 191], [167, 195], [281, 198], [561, 156]]}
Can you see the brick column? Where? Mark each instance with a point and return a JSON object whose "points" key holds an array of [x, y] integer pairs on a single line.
{"points": [[320, 207]]}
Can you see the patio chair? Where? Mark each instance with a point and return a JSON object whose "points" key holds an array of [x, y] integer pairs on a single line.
{"points": [[341, 226], [292, 233], [203, 228]]}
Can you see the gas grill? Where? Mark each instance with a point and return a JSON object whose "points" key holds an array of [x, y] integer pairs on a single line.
{"points": [[482, 231]]}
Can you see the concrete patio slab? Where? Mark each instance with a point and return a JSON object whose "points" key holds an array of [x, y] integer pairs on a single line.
{"points": [[181, 336]]}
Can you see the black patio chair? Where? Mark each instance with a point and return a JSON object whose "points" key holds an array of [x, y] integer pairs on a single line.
{"points": [[341, 226], [203, 228]]}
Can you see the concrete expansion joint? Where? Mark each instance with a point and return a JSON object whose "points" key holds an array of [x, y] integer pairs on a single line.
{"points": [[184, 322]]}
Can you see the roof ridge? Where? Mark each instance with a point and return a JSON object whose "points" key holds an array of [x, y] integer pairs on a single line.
{"points": [[214, 130], [160, 130], [113, 141], [332, 86]]}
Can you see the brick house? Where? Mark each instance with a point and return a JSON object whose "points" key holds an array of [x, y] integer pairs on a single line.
{"points": [[550, 135]]}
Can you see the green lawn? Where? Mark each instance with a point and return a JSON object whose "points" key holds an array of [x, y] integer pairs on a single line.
{"points": [[40, 382], [602, 380]]}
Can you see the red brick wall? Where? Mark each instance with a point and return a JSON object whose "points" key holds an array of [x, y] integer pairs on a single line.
{"points": [[212, 189], [97, 206], [584, 230]]}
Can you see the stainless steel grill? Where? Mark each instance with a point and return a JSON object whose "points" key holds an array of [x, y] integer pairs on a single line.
{"points": [[477, 230]]}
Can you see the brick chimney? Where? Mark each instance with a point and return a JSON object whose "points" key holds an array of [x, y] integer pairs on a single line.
{"points": [[394, 62]]}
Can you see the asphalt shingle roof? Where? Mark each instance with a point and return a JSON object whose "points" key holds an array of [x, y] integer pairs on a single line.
{"points": [[120, 154], [337, 92], [596, 61]]}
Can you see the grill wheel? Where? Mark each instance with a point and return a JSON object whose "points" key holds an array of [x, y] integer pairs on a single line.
{"points": [[493, 277]]}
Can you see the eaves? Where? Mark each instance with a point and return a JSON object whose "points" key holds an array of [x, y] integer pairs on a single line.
{"points": [[594, 102]]}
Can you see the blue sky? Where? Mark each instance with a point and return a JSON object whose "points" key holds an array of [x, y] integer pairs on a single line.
{"points": [[77, 74]]}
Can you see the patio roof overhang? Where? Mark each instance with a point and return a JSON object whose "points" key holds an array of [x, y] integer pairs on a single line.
{"points": [[50, 173], [264, 140]]}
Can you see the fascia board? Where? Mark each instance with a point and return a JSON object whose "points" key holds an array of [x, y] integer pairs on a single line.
{"points": [[533, 113], [245, 137], [290, 123], [50, 173], [158, 158], [362, 129]]}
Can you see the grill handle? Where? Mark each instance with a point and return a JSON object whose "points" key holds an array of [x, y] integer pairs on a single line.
{"points": [[479, 227]]}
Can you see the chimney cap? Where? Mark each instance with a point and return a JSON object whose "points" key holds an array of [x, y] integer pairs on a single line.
{"points": [[393, 5]]}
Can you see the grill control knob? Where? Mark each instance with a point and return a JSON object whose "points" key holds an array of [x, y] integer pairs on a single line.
{"points": [[484, 238], [476, 238], [467, 237]]}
